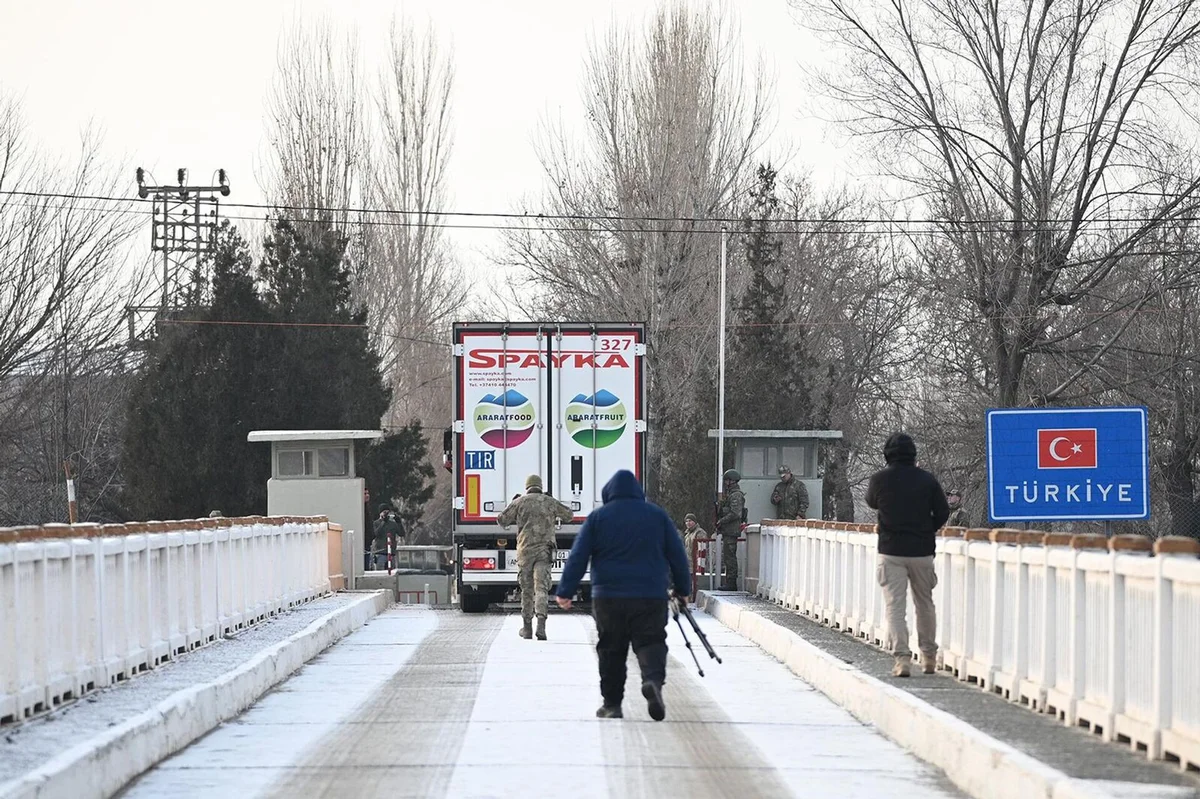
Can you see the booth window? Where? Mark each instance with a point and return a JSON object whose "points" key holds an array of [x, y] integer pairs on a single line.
{"points": [[753, 460], [333, 461], [295, 463]]}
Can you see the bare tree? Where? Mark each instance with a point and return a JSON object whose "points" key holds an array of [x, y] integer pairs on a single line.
{"points": [[1044, 138], [315, 123], [410, 282], [371, 156], [670, 134], [64, 284], [850, 308]]}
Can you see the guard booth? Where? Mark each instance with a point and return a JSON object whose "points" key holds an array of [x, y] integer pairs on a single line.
{"points": [[312, 474], [758, 454]]}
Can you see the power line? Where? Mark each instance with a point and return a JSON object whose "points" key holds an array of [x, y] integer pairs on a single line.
{"points": [[425, 217], [1072, 315]]}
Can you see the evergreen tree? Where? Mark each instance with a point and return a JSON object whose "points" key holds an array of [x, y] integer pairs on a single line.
{"points": [[279, 346], [765, 386], [198, 395], [305, 279], [397, 471]]}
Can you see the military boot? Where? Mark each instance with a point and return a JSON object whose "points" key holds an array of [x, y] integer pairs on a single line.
{"points": [[527, 629], [541, 628]]}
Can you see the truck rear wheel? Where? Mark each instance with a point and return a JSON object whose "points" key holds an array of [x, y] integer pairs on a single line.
{"points": [[474, 602]]}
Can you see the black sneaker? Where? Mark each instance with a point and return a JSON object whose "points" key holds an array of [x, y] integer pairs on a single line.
{"points": [[610, 712], [654, 700]]}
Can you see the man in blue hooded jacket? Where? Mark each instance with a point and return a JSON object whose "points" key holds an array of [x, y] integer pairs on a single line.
{"points": [[636, 556]]}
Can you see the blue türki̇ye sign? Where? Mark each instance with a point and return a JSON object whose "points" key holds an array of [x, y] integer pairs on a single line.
{"points": [[1068, 464]]}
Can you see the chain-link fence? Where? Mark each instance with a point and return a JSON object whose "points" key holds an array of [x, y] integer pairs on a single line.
{"points": [[24, 503]]}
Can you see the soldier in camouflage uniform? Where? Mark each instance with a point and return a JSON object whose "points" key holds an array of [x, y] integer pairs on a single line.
{"points": [[729, 525], [790, 497], [534, 514], [691, 531], [958, 514]]}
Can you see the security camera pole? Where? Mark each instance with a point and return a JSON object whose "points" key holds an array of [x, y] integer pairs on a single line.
{"points": [[184, 220]]}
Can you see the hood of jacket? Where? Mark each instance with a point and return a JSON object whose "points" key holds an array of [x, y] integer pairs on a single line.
{"points": [[900, 448], [623, 485]]}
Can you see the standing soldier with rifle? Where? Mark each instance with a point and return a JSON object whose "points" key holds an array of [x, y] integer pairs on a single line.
{"points": [[731, 512], [535, 514]]}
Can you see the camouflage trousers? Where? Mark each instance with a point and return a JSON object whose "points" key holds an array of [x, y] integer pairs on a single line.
{"points": [[533, 576], [729, 557]]}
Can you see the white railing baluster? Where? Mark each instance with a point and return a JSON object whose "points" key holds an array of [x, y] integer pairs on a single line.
{"points": [[1099, 631], [84, 606]]}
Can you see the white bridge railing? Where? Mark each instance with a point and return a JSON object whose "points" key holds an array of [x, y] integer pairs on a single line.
{"points": [[1103, 633], [84, 606]]}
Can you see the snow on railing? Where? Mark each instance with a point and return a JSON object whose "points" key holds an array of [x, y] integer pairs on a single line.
{"points": [[1103, 633], [84, 606]]}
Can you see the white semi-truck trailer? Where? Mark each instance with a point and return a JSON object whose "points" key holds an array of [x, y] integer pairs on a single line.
{"points": [[565, 401]]}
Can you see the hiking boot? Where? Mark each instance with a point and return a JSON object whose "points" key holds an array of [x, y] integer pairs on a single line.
{"points": [[654, 700], [527, 629], [903, 666], [610, 712], [727, 587], [541, 628], [929, 663]]}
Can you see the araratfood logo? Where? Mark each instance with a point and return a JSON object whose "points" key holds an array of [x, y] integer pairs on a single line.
{"points": [[608, 413], [492, 412]]}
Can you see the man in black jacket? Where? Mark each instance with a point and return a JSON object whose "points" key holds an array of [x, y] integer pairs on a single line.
{"points": [[636, 556], [912, 508]]}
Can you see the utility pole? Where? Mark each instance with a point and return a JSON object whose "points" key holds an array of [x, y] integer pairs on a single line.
{"points": [[721, 363], [184, 220]]}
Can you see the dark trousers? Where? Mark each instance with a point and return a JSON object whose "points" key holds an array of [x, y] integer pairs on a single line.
{"points": [[620, 623]]}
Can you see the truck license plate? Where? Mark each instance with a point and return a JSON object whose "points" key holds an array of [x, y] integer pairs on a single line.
{"points": [[560, 559]]}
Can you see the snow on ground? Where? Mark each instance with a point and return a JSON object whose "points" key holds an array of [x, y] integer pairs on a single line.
{"points": [[436, 703], [27, 746]]}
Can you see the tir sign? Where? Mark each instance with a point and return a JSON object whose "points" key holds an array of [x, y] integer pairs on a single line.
{"points": [[1067, 449]]}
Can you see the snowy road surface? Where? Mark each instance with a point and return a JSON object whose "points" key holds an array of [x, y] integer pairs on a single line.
{"points": [[436, 703]]}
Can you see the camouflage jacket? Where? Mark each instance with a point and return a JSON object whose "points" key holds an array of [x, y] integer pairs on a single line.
{"points": [[729, 511], [958, 517], [790, 500], [690, 536], [534, 514]]}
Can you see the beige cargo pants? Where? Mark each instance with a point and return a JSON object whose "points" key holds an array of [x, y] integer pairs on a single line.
{"points": [[895, 574]]}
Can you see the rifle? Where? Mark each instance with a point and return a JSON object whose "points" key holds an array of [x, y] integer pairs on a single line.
{"points": [[679, 605]]}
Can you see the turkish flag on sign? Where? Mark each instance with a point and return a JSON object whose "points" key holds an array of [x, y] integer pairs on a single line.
{"points": [[1067, 449]]}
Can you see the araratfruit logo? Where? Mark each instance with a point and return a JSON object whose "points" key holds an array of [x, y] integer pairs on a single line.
{"points": [[491, 413], [605, 410]]}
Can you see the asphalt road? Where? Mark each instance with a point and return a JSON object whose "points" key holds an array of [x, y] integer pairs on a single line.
{"points": [[429, 703]]}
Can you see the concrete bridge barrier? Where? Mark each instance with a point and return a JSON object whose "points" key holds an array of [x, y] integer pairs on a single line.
{"points": [[84, 606], [1100, 632]]}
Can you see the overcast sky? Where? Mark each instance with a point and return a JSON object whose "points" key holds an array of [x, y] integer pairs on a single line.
{"points": [[183, 84]]}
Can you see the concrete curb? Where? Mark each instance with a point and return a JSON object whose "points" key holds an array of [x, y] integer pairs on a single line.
{"points": [[101, 766], [980, 765]]}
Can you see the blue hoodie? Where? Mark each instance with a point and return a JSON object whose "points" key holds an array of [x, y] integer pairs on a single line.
{"points": [[631, 543]]}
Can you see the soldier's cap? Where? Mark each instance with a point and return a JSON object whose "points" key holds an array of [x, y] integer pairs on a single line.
{"points": [[691, 517], [785, 469], [733, 475], [533, 481]]}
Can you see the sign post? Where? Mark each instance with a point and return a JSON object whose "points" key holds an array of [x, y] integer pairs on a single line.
{"points": [[1068, 464]]}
